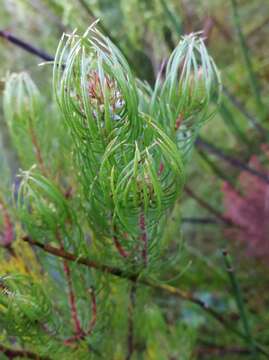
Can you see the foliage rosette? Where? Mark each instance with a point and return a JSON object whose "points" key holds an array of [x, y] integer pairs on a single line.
{"points": [[181, 101], [129, 162]]}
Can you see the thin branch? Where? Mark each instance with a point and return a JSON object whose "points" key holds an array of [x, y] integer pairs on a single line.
{"points": [[215, 169], [200, 221], [94, 312], [38, 152], [208, 207], [14, 353], [71, 294], [168, 289], [25, 46], [7, 237], [81, 336], [203, 144], [118, 245], [208, 350], [72, 301], [144, 238]]}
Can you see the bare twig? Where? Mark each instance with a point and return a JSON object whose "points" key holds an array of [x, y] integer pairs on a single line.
{"points": [[118, 245], [204, 144], [208, 207], [25, 46], [200, 221]]}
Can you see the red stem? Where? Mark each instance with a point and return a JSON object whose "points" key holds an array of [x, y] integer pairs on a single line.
{"points": [[72, 300], [92, 324], [38, 154], [120, 249], [144, 238], [118, 245], [21, 353], [94, 312], [8, 227]]}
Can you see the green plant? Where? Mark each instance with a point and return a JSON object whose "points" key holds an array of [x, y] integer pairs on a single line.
{"points": [[130, 146]]}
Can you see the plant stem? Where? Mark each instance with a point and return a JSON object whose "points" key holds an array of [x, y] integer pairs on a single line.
{"points": [[72, 301], [239, 301], [199, 221], [14, 353], [118, 245], [71, 295], [37, 148], [94, 312], [168, 289], [204, 144], [144, 238], [216, 170], [208, 207], [207, 351], [26, 46]]}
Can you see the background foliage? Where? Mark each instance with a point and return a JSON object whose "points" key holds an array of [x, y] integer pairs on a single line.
{"points": [[218, 229]]}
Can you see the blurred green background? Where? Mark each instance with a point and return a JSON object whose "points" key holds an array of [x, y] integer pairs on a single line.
{"points": [[223, 194]]}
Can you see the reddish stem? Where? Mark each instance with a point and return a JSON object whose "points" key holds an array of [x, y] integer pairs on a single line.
{"points": [[161, 169], [82, 334], [119, 247], [72, 300], [38, 154], [94, 312], [179, 121], [144, 238], [71, 294], [8, 235], [208, 207], [21, 353]]}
